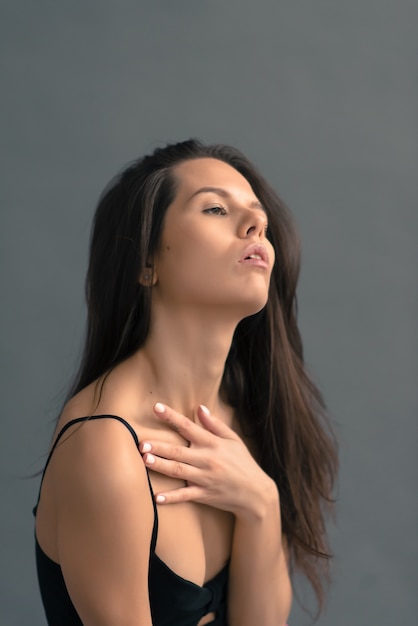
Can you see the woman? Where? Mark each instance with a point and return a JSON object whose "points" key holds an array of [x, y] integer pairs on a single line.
{"points": [[193, 357]]}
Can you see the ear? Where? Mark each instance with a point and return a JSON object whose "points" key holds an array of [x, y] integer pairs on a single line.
{"points": [[147, 276]]}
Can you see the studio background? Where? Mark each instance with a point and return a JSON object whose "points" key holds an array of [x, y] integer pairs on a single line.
{"points": [[322, 96]]}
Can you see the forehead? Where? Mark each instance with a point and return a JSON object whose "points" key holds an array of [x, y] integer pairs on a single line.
{"points": [[210, 173]]}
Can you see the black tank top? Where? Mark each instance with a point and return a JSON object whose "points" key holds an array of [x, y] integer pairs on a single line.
{"points": [[174, 601]]}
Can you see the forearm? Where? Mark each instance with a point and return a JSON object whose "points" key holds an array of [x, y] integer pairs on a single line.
{"points": [[259, 588]]}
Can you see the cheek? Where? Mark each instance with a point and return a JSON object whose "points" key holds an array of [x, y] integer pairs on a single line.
{"points": [[182, 253], [188, 242]]}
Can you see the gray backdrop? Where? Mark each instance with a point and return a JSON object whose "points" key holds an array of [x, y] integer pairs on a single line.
{"points": [[322, 95]]}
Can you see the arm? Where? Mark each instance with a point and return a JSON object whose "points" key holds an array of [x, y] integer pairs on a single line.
{"points": [[221, 472], [259, 588], [104, 525]]}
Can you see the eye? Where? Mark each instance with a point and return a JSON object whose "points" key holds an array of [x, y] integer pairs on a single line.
{"points": [[215, 210]]}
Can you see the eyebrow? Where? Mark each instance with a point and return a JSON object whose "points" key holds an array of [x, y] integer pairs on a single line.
{"points": [[255, 204]]}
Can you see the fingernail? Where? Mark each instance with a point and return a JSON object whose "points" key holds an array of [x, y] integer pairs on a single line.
{"points": [[160, 499], [159, 408], [204, 409], [150, 459], [146, 447]]}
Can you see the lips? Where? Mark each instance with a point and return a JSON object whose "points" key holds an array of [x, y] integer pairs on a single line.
{"points": [[256, 254]]}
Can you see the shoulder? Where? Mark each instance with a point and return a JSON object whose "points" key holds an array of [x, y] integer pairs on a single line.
{"points": [[100, 490], [95, 454], [97, 472], [105, 446], [104, 521]]}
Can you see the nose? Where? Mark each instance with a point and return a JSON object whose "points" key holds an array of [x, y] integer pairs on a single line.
{"points": [[253, 222]]}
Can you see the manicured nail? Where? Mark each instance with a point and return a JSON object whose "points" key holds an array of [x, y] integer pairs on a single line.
{"points": [[160, 499], [159, 408], [150, 459], [146, 447], [204, 409]]}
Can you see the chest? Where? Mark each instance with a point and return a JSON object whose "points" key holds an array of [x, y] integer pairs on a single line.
{"points": [[194, 539]]}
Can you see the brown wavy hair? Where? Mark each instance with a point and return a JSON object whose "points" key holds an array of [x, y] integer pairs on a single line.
{"points": [[265, 380]]}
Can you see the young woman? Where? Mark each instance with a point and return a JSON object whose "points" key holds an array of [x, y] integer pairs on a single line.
{"points": [[191, 463]]}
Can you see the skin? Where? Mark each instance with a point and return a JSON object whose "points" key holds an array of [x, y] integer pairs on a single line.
{"points": [[214, 502]]}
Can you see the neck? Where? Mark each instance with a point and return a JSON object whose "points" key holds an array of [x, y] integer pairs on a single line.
{"points": [[184, 357]]}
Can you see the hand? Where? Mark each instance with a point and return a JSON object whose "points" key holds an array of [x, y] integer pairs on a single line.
{"points": [[217, 467]]}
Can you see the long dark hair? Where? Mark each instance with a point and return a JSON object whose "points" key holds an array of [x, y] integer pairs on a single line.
{"points": [[264, 379]]}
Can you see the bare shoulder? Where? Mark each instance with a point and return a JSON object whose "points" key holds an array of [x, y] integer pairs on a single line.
{"points": [[97, 506], [101, 448], [95, 455], [104, 521]]}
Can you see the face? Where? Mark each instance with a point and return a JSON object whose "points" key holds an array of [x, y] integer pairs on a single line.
{"points": [[213, 251]]}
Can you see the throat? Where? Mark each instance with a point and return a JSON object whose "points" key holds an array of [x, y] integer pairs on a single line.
{"points": [[184, 358]]}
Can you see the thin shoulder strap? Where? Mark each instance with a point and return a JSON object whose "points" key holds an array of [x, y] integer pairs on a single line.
{"points": [[135, 437]]}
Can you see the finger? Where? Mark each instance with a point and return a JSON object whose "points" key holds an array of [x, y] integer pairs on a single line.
{"points": [[172, 452], [215, 425], [183, 425], [183, 494], [174, 469]]}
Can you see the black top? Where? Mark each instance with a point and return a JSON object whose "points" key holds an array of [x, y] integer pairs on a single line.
{"points": [[174, 601]]}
